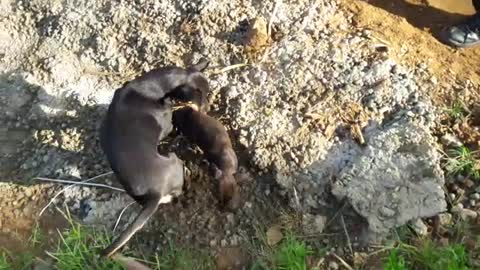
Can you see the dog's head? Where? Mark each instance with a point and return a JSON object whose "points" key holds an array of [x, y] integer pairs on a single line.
{"points": [[196, 89], [228, 191]]}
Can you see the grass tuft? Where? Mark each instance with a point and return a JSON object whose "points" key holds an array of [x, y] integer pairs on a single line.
{"points": [[4, 265], [428, 256], [395, 261], [457, 110], [177, 258], [463, 161], [452, 257], [78, 249], [292, 254]]}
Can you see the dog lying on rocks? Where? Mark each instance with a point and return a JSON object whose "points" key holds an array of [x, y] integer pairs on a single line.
{"points": [[212, 137], [139, 116]]}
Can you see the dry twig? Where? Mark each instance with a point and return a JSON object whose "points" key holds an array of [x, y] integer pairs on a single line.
{"points": [[68, 187]]}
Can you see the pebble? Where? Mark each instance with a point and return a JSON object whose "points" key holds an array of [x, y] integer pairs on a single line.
{"points": [[419, 227], [450, 140], [445, 219], [457, 208], [467, 214], [475, 196], [213, 243], [333, 265], [469, 183], [387, 212]]}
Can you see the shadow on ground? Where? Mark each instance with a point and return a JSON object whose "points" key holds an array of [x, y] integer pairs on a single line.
{"points": [[421, 16]]}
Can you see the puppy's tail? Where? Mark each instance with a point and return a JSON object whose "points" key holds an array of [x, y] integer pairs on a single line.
{"points": [[147, 211]]}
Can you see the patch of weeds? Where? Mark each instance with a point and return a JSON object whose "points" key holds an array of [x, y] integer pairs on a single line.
{"points": [[463, 161], [292, 254], [429, 257], [452, 257], [4, 265], [78, 249], [37, 236], [403, 233], [22, 261], [178, 258], [395, 261], [457, 110]]}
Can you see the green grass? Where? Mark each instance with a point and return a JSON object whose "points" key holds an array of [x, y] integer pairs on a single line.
{"points": [[452, 257], [457, 110], [21, 262], [178, 258], [395, 262], [428, 256], [4, 264], [292, 254], [463, 161], [78, 249]]}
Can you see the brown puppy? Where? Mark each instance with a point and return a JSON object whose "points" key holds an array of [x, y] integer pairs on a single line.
{"points": [[212, 137]]}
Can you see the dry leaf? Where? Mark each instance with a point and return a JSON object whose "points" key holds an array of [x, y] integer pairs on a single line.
{"points": [[274, 235]]}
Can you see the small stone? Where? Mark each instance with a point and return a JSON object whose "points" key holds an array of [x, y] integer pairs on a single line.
{"points": [[472, 202], [230, 218], [452, 196], [419, 227], [467, 214], [213, 243], [457, 208], [475, 196], [333, 265], [469, 183], [445, 219], [387, 212], [450, 140]]}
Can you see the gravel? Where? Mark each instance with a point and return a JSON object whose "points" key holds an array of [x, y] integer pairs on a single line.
{"points": [[324, 104]]}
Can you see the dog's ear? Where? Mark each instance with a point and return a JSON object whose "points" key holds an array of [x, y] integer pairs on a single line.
{"points": [[201, 65]]}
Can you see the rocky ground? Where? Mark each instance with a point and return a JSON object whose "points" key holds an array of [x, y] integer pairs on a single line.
{"points": [[328, 124]]}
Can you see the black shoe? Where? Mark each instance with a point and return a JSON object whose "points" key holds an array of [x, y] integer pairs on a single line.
{"points": [[466, 34]]}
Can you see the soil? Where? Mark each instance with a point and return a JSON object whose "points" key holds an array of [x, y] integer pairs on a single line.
{"points": [[411, 28]]}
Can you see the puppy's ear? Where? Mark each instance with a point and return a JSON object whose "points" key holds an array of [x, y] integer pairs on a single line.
{"points": [[201, 65]]}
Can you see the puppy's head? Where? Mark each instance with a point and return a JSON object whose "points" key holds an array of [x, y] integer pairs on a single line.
{"points": [[197, 88], [229, 193]]}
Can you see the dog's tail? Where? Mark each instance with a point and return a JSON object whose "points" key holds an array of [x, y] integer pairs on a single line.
{"points": [[147, 211]]}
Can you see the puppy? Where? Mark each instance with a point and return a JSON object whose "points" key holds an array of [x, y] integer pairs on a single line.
{"points": [[138, 117], [212, 137], [185, 85]]}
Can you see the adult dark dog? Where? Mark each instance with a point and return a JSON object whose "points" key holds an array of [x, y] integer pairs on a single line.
{"points": [[212, 137], [138, 117]]}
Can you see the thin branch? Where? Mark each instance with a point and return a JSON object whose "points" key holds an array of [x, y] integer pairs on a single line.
{"points": [[120, 216], [272, 16], [77, 183], [342, 261], [346, 234], [69, 187], [227, 68]]}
